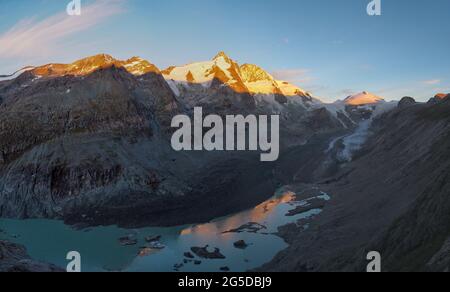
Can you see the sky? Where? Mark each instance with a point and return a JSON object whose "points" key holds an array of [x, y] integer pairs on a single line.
{"points": [[331, 48]]}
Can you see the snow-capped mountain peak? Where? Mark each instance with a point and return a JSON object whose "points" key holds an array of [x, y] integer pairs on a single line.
{"points": [[247, 78], [222, 55], [363, 98]]}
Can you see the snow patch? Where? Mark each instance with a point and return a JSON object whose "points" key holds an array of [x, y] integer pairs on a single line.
{"points": [[354, 142]]}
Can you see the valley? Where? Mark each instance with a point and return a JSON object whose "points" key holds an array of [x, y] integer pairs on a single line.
{"points": [[86, 153]]}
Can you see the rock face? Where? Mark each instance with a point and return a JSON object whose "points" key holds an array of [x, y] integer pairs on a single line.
{"points": [[363, 98], [14, 258], [393, 198], [204, 253]]}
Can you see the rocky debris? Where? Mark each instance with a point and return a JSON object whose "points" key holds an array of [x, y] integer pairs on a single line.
{"points": [[153, 238], [241, 244], [146, 251], [14, 258], [311, 204], [197, 263], [203, 252], [406, 101], [128, 240], [189, 255], [225, 269], [251, 227]]}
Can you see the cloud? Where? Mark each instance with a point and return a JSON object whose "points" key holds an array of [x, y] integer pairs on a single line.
{"points": [[293, 75], [432, 82], [32, 38]]}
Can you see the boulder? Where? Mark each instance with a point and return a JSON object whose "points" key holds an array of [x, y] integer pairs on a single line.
{"points": [[241, 244], [204, 253]]}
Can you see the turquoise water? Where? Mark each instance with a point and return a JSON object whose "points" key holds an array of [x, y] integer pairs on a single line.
{"points": [[50, 241]]}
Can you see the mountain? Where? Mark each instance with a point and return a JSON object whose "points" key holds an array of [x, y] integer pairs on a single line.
{"points": [[83, 67], [89, 142], [17, 73], [359, 108], [363, 98], [439, 98], [392, 198], [221, 68], [196, 79]]}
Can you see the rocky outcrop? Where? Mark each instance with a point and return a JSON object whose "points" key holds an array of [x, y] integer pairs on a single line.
{"points": [[14, 258], [438, 98], [440, 262]]}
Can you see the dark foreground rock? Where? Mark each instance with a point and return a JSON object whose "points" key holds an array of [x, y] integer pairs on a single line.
{"points": [[392, 198], [14, 258]]}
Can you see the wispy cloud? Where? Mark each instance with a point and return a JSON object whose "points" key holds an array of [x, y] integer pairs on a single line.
{"points": [[293, 75], [32, 38], [432, 82]]}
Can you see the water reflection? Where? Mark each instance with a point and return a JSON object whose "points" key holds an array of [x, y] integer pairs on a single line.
{"points": [[258, 214]]}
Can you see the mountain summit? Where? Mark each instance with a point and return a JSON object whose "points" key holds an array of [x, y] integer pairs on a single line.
{"points": [[363, 98], [135, 66]]}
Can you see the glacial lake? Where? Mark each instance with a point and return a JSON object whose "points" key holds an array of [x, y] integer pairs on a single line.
{"points": [[100, 249]]}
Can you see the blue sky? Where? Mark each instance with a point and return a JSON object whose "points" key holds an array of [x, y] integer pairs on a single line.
{"points": [[330, 47]]}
